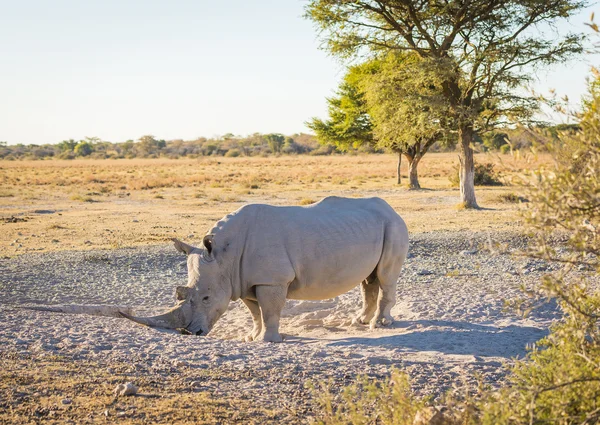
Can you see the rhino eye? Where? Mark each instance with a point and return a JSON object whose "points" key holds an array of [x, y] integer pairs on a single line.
{"points": [[205, 299]]}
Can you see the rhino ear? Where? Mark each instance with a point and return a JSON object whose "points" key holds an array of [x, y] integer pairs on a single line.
{"points": [[182, 293], [208, 243], [182, 246]]}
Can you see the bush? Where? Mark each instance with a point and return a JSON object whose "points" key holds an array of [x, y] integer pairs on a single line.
{"points": [[232, 153], [391, 402], [485, 175], [512, 198]]}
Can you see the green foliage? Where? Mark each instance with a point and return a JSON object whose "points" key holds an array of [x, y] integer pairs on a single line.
{"points": [[405, 101], [349, 125], [67, 145], [275, 141], [559, 381], [485, 48], [391, 402], [83, 148], [495, 140], [485, 175]]}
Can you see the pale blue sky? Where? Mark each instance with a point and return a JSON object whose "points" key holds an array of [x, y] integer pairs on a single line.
{"points": [[175, 69]]}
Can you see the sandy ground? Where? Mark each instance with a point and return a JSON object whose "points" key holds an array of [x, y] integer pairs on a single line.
{"points": [[451, 326], [96, 232]]}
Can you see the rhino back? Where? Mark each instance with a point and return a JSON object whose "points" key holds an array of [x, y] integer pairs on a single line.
{"points": [[324, 249]]}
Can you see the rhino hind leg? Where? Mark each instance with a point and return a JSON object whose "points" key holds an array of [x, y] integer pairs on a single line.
{"points": [[385, 301], [388, 273], [271, 300], [256, 319], [370, 292]]}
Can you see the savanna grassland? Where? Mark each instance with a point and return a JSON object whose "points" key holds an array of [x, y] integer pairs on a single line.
{"points": [[90, 204], [63, 368]]}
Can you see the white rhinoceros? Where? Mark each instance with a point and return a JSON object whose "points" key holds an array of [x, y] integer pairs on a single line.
{"points": [[265, 254]]}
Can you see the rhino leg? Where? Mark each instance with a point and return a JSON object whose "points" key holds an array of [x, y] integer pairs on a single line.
{"points": [[385, 301], [256, 319], [271, 300], [370, 291]]}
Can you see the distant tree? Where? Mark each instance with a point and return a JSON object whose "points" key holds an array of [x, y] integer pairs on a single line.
{"points": [[67, 145], [349, 124], [391, 102], [407, 108], [150, 146], [275, 141], [83, 148], [484, 49]]}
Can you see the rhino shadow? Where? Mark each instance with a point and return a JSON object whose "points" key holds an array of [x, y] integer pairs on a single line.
{"points": [[454, 338]]}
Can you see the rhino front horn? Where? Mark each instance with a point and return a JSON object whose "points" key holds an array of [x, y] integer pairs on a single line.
{"points": [[173, 319]]}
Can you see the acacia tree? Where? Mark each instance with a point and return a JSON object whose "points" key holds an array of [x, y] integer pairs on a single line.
{"points": [[349, 124], [390, 102], [484, 48], [406, 107]]}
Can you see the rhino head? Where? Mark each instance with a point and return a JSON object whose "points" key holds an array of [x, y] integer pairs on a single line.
{"points": [[202, 302]]}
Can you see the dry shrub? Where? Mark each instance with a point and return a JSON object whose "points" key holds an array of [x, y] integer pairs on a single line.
{"points": [[485, 175]]}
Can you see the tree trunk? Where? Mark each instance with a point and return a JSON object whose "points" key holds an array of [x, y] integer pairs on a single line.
{"points": [[467, 168], [412, 173], [399, 163]]}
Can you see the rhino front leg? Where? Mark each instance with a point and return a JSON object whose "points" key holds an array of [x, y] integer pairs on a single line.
{"points": [[256, 319], [271, 300]]}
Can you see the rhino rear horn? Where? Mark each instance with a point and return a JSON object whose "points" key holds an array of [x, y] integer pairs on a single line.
{"points": [[182, 246]]}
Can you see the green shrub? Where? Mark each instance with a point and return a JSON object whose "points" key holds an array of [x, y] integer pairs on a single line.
{"points": [[391, 402]]}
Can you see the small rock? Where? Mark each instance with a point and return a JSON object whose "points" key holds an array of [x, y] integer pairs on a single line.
{"points": [[191, 235], [66, 401], [55, 241], [424, 272], [121, 414], [126, 389], [469, 252], [88, 242], [135, 221]]}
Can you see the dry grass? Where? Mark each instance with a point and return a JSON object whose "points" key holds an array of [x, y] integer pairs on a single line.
{"points": [[35, 395], [108, 203]]}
